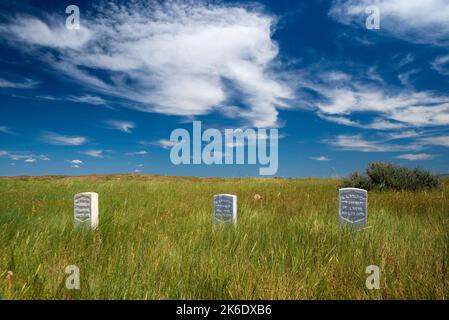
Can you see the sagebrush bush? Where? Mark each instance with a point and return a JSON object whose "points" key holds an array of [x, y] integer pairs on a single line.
{"points": [[387, 176]]}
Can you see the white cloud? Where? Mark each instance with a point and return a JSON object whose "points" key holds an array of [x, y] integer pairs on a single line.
{"points": [[417, 156], [436, 140], [441, 64], [164, 143], [26, 84], [20, 155], [76, 161], [36, 32], [359, 143], [124, 126], [409, 58], [388, 107], [6, 130], [175, 58], [94, 153], [419, 21], [74, 166], [376, 124], [401, 135], [47, 97], [137, 153], [89, 99], [61, 140], [44, 157], [406, 77], [321, 158], [411, 108]]}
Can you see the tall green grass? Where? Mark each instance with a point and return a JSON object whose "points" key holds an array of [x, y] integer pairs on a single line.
{"points": [[157, 240]]}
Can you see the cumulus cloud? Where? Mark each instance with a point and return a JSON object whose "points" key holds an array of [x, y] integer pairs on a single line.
{"points": [[417, 156], [61, 140], [418, 21], [184, 58], [76, 161]]}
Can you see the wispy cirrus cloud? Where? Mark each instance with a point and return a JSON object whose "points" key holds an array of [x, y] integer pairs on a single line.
{"points": [[85, 99], [376, 124], [438, 140], [360, 143], [395, 107], [165, 57], [7, 130], [96, 153], [397, 141], [441, 64], [137, 153], [62, 140], [23, 155], [89, 99], [26, 84], [321, 158], [415, 156], [163, 143], [124, 126], [389, 107], [418, 21]]}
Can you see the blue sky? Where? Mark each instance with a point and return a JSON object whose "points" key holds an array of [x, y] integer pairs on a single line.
{"points": [[105, 98]]}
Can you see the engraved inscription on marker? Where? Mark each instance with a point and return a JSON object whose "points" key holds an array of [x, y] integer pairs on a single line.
{"points": [[353, 206], [225, 208], [86, 209]]}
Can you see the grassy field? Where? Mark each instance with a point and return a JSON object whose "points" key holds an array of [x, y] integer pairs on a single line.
{"points": [[157, 240]]}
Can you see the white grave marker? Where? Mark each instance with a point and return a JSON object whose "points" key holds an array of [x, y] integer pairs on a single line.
{"points": [[86, 209], [353, 207], [225, 208]]}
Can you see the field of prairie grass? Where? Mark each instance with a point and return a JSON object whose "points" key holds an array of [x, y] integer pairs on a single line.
{"points": [[157, 240]]}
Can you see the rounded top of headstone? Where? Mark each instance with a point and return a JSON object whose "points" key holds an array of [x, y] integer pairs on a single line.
{"points": [[86, 194], [352, 189], [225, 194]]}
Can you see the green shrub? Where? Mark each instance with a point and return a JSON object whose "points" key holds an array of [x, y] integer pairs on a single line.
{"points": [[387, 176], [357, 180]]}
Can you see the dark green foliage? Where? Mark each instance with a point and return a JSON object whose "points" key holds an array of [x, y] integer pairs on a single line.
{"points": [[357, 180], [387, 176]]}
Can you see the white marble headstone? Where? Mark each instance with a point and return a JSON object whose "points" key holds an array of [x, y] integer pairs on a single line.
{"points": [[353, 207], [86, 209], [225, 208]]}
